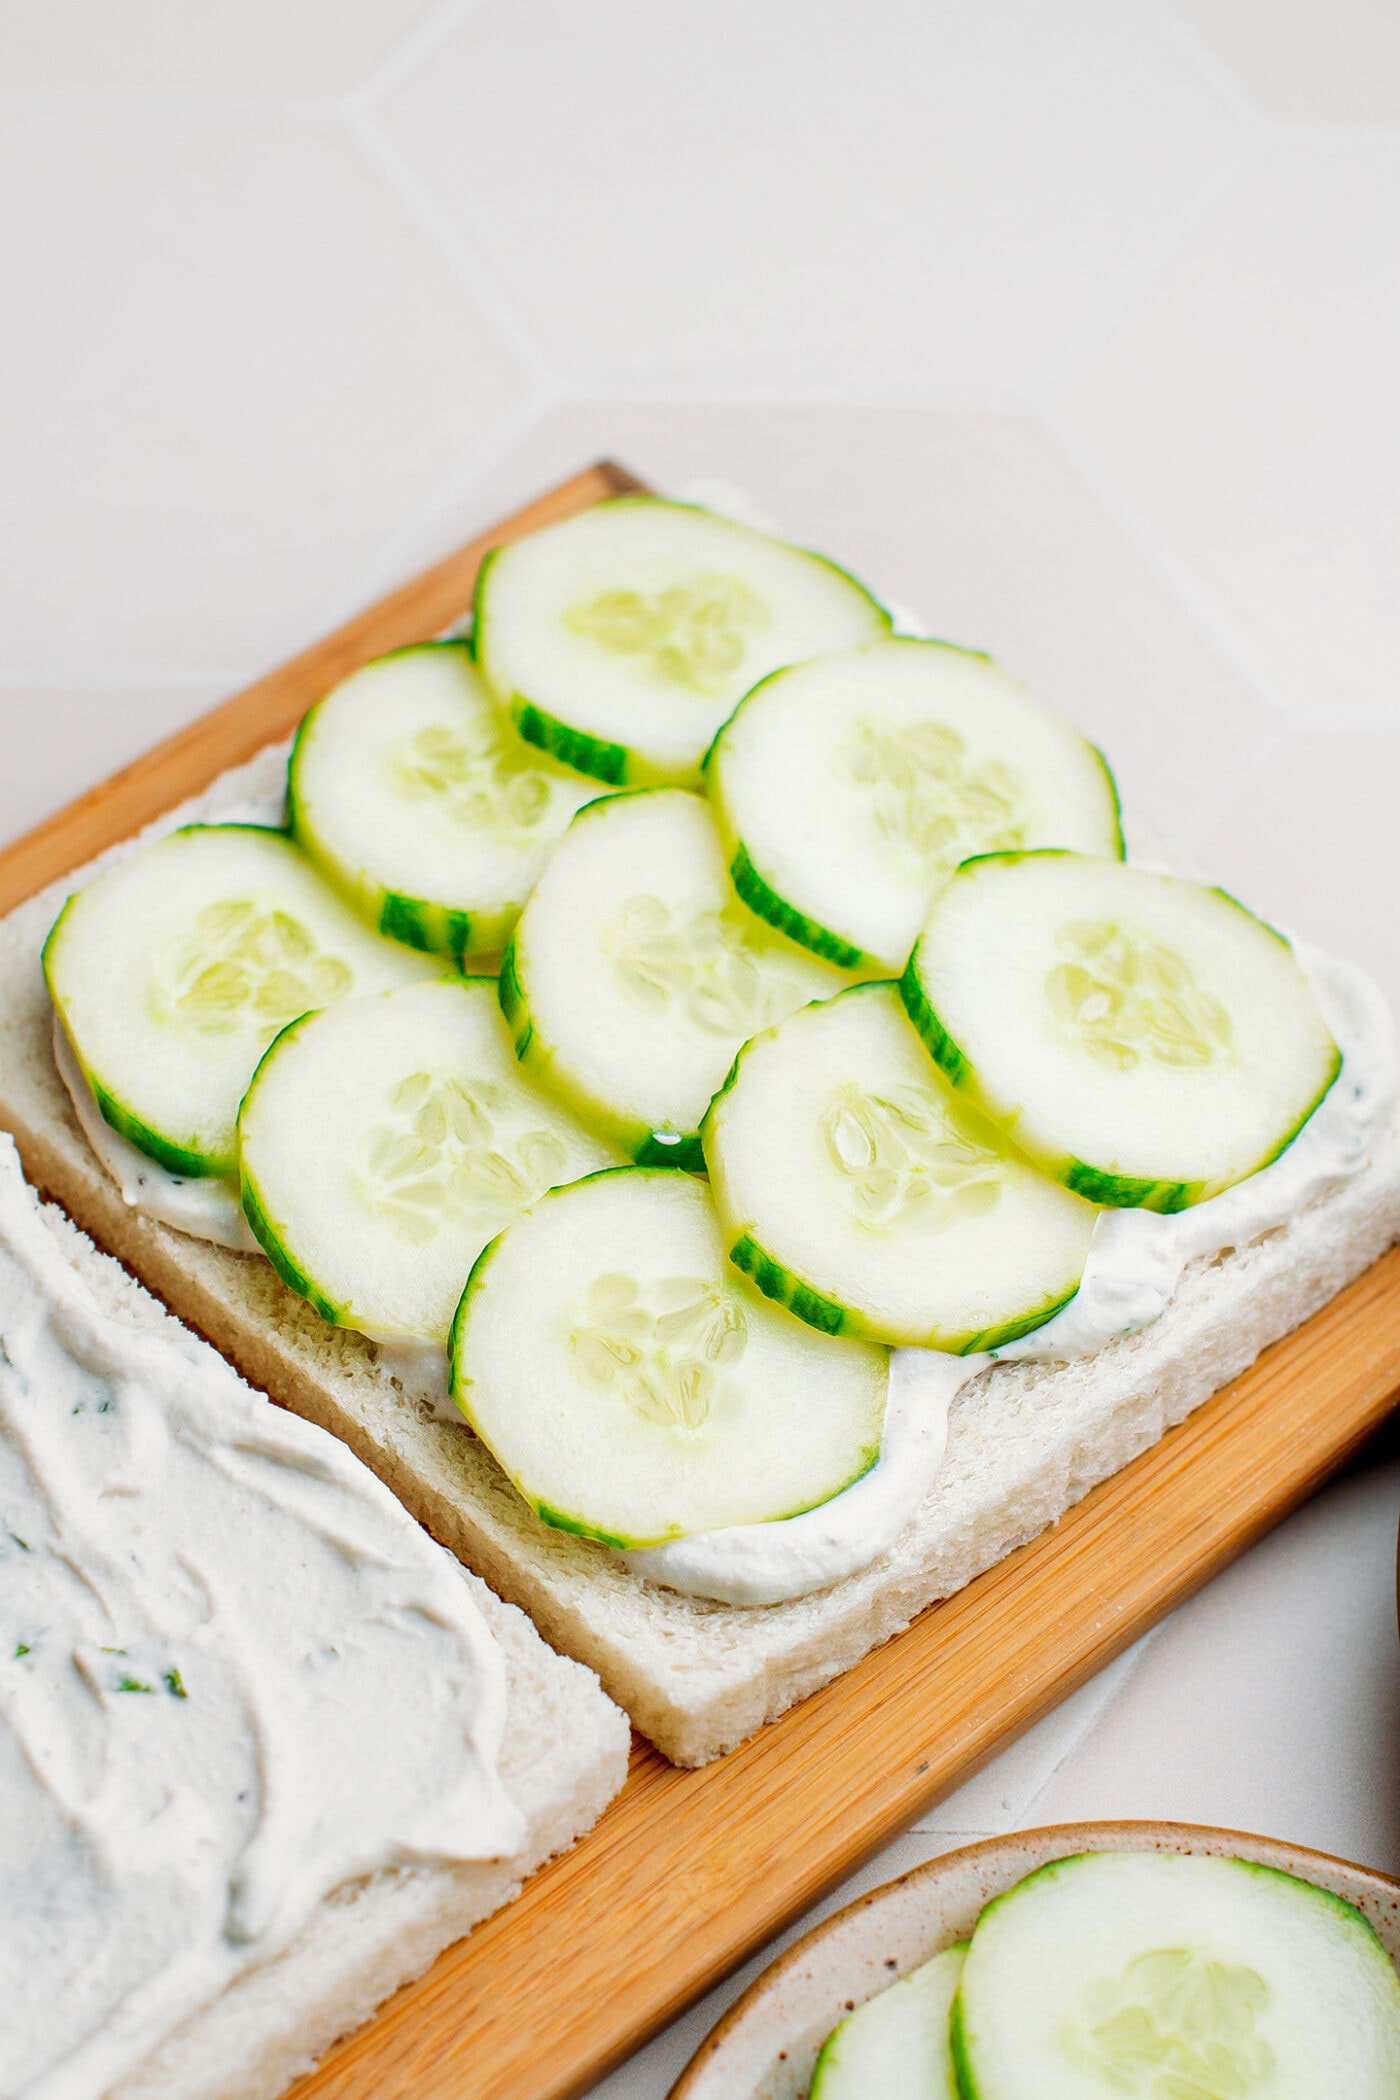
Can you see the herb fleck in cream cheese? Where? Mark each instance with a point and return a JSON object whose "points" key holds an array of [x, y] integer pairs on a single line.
{"points": [[234, 1676]]}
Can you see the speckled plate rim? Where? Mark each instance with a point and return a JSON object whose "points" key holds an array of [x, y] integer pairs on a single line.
{"points": [[766, 2044]]}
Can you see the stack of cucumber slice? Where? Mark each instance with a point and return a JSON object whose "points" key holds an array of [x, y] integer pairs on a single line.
{"points": [[1159, 1975], [856, 943]]}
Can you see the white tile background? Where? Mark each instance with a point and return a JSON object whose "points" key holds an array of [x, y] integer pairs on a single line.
{"points": [[1073, 323]]}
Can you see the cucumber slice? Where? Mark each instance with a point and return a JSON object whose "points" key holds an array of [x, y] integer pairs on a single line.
{"points": [[1146, 1040], [416, 798], [172, 973], [384, 1142], [1174, 1977], [632, 1385], [897, 2045], [634, 973], [859, 1190], [847, 790], [621, 639]]}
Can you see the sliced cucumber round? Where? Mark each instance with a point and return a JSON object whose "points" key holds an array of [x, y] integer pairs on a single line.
{"points": [[847, 790], [1146, 1040], [632, 1385], [621, 639], [897, 2045], [414, 795], [857, 1188], [634, 972], [172, 973], [383, 1142], [1174, 1977]]}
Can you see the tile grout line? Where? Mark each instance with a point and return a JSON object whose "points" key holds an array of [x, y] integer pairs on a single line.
{"points": [[415, 44], [1051, 418], [385, 568], [1237, 782], [1208, 61], [616, 389], [435, 220], [1150, 263], [187, 101]]}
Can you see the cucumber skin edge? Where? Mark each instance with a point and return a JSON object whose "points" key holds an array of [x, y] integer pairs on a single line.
{"points": [[590, 755], [958, 2035], [958, 2050], [513, 1006], [1111, 780], [266, 1236], [784, 1289], [647, 1148], [259, 1223], [432, 929], [829, 1316], [763, 900], [934, 1036], [176, 1159], [1096, 1185], [682, 1152]]}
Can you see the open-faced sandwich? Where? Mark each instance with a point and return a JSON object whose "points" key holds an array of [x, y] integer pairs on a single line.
{"points": [[687, 1084], [266, 1748]]}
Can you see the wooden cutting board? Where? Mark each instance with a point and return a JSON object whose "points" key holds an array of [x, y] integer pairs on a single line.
{"points": [[688, 1873]]}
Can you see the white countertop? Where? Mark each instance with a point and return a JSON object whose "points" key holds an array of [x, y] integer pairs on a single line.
{"points": [[1074, 326]]}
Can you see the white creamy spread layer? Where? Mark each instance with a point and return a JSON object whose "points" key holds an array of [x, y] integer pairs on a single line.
{"points": [[1136, 1260], [234, 1676]]}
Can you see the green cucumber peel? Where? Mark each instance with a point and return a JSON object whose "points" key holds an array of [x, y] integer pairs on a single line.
{"points": [[268, 1238], [765, 902], [176, 1159], [261, 1225], [919, 1007], [682, 1151], [787, 1290], [593, 755]]}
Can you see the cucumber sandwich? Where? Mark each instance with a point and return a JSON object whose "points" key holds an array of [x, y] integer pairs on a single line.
{"points": [[891, 1048], [1162, 1975]]}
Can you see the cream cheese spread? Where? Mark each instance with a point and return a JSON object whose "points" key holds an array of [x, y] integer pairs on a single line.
{"points": [[1136, 1260], [234, 1676], [205, 1206]]}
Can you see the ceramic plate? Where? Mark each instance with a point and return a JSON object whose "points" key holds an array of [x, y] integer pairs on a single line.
{"points": [[766, 2045]]}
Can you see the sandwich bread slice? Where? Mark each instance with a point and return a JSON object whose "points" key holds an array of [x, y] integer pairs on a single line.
{"points": [[430, 1852], [1026, 1440]]}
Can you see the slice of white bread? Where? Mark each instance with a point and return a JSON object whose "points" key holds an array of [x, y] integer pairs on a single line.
{"points": [[1026, 1440], [563, 1758]]}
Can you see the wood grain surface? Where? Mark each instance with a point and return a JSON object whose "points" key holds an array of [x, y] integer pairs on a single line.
{"points": [[688, 1873]]}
